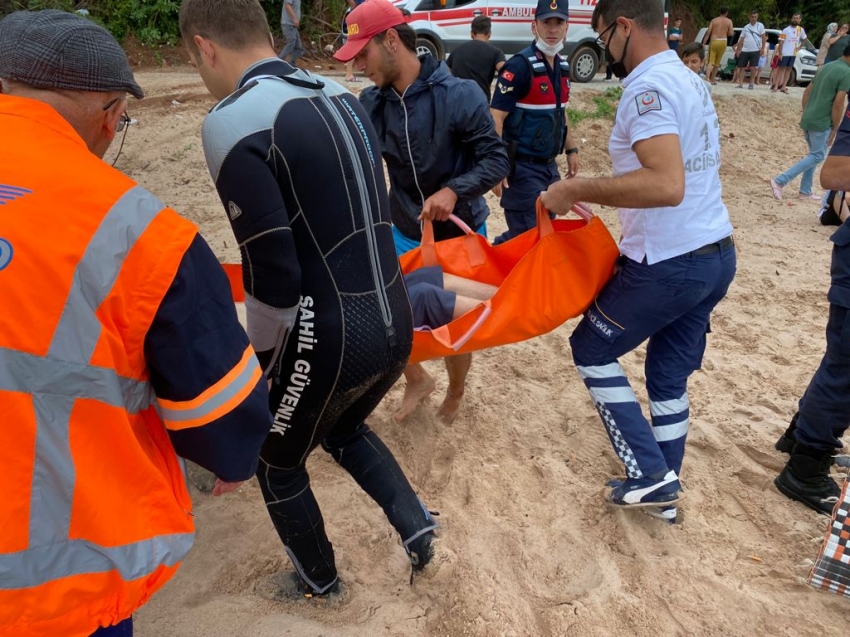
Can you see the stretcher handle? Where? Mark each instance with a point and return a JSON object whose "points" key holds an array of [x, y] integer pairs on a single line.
{"points": [[442, 335], [544, 223], [428, 228], [428, 248]]}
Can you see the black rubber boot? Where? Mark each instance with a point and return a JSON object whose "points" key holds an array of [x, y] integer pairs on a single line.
{"points": [[786, 441], [806, 479]]}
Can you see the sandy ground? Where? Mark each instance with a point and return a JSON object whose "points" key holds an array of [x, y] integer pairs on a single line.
{"points": [[528, 546]]}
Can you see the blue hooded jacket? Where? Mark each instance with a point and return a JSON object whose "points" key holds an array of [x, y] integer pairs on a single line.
{"points": [[438, 133]]}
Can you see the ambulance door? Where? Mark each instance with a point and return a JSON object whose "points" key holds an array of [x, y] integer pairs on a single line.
{"points": [[511, 23]]}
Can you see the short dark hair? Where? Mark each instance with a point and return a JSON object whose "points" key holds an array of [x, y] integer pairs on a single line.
{"points": [[647, 14], [693, 47], [405, 33], [236, 24], [724, 10], [482, 25], [754, 12]]}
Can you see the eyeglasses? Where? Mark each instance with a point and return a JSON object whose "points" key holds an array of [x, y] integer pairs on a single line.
{"points": [[123, 124], [600, 41]]}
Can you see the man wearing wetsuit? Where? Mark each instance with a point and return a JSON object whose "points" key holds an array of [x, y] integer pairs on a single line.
{"points": [[326, 304]]}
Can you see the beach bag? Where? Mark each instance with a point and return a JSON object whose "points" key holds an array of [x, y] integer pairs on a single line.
{"points": [[545, 276], [831, 571]]}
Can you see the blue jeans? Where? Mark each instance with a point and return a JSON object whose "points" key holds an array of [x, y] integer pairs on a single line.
{"points": [[816, 141], [121, 629], [670, 304]]}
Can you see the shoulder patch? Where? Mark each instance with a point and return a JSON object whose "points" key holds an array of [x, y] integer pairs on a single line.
{"points": [[508, 76], [648, 101]]}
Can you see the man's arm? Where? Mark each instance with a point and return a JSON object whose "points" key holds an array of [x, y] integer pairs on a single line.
{"points": [[730, 30], [658, 183], [208, 383], [838, 111], [260, 222], [707, 35], [477, 130], [835, 172], [806, 94], [295, 21]]}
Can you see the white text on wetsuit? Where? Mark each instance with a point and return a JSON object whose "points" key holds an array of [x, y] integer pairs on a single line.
{"points": [[300, 377]]}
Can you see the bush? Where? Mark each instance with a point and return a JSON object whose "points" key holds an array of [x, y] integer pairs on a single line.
{"points": [[156, 22]]}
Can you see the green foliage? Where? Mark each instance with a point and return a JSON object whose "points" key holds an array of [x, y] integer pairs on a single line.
{"points": [[775, 14], [606, 107], [156, 22]]}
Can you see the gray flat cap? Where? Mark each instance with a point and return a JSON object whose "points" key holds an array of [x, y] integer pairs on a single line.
{"points": [[56, 49]]}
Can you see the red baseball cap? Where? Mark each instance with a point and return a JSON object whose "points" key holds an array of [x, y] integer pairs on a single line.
{"points": [[365, 22]]}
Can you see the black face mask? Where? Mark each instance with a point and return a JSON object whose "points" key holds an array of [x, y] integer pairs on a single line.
{"points": [[618, 68]]}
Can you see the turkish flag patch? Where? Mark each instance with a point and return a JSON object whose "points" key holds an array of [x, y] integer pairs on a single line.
{"points": [[508, 76]]}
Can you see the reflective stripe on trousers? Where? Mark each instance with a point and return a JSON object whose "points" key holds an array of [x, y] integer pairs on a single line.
{"points": [[55, 382]]}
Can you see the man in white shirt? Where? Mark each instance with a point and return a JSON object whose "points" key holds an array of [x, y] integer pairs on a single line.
{"points": [[790, 41], [752, 44], [678, 257]]}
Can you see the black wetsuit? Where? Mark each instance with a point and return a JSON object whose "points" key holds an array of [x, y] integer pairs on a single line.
{"points": [[298, 167]]}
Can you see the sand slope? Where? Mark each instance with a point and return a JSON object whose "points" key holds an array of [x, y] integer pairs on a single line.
{"points": [[528, 547]]}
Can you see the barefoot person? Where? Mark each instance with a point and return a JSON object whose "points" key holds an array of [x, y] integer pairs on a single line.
{"points": [[678, 257], [327, 310], [441, 149], [716, 37]]}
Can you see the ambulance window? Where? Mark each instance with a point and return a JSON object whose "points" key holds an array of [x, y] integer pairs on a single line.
{"points": [[439, 5]]}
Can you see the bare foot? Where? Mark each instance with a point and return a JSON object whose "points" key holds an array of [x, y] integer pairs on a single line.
{"points": [[450, 408], [414, 393]]}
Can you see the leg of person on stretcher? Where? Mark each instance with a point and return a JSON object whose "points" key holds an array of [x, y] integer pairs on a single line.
{"points": [[468, 294]]}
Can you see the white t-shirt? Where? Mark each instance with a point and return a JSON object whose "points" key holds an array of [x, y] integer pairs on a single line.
{"points": [[793, 37], [663, 97], [751, 35]]}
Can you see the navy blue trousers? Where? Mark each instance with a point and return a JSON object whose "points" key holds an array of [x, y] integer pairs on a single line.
{"points": [[825, 407], [520, 197], [121, 629], [669, 303]]}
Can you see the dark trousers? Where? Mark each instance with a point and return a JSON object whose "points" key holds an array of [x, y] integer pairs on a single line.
{"points": [[670, 304], [825, 407], [122, 629], [298, 520], [520, 197]]}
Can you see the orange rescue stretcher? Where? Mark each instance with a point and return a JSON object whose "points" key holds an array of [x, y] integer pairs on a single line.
{"points": [[545, 276]]}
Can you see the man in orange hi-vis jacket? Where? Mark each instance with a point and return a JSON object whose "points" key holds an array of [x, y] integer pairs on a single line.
{"points": [[119, 348]]}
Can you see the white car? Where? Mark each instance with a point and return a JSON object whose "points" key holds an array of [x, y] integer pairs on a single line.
{"points": [[803, 71], [443, 25]]}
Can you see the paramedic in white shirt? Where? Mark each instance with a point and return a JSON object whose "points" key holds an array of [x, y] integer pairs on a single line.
{"points": [[677, 254]]}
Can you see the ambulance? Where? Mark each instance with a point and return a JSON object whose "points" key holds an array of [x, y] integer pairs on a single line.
{"points": [[442, 25]]}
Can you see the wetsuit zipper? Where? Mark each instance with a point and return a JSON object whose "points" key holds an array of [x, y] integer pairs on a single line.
{"points": [[371, 240]]}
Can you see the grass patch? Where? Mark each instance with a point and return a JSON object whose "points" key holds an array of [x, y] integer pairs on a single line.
{"points": [[606, 106]]}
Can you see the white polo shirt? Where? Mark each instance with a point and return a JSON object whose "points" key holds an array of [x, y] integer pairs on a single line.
{"points": [[663, 97]]}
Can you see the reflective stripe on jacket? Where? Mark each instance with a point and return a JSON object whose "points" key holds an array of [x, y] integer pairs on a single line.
{"points": [[95, 515], [536, 125]]}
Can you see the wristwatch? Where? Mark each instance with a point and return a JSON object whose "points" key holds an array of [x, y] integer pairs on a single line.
{"points": [[571, 151]]}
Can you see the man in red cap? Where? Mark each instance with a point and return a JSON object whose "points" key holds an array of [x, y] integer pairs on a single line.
{"points": [[440, 146]]}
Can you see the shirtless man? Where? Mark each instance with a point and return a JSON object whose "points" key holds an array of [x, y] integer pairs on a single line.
{"points": [[719, 29]]}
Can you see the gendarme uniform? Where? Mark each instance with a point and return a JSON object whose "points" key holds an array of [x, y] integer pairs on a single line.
{"points": [[676, 265], [535, 96]]}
